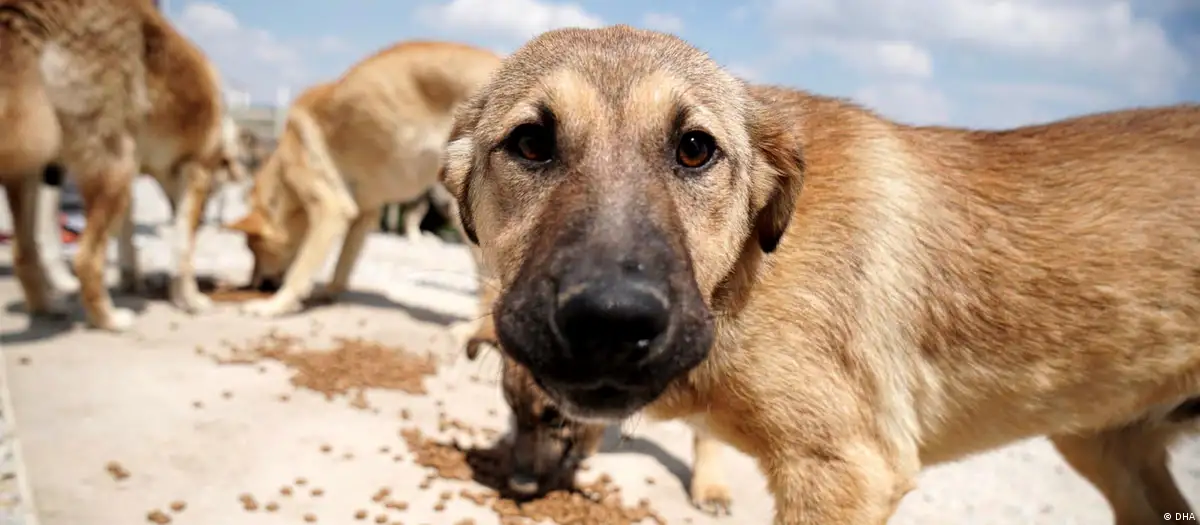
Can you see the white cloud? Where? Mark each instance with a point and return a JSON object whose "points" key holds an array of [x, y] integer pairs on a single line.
{"points": [[249, 59], [664, 22], [515, 20], [1098, 35], [909, 102], [331, 44]]}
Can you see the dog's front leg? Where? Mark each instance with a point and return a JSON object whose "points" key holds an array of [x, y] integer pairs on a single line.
{"points": [[356, 238], [191, 196], [709, 491], [848, 484], [327, 225]]}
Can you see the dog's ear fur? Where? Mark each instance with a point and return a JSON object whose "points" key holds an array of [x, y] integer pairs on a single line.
{"points": [[782, 163], [459, 162], [251, 224]]}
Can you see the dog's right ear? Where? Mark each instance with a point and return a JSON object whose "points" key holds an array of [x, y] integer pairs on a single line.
{"points": [[458, 165]]}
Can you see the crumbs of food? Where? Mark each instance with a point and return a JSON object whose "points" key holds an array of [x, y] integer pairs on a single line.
{"points": [[595, 503], [249, 504], [159, 517], [352, 366], [116, 470], [178, 506]]}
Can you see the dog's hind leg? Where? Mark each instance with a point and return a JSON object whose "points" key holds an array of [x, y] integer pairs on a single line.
{"points": [[28, 264], [709, 491], [131, 280], [1129, 467], [192, 192], [105, 168], [49, 230]]}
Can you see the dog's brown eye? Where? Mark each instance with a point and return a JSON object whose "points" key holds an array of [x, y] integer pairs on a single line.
{"points": [[695, 149], [532, 142]]}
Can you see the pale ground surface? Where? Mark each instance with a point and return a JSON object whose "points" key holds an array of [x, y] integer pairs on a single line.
{"points": [[86, 398]]}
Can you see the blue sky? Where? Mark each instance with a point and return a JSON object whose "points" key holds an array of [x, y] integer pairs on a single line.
{"points": [[979, 63]]}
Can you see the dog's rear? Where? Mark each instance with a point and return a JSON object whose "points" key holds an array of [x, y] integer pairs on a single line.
{"points": [[73, 90]]}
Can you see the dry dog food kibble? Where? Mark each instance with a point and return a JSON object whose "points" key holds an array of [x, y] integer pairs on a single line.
{"points": [[159, 517], [348, 369], [310, 518], [248, 502], [271, 506], [178, 506], [117, 471], [360, 514], [596, 503]]}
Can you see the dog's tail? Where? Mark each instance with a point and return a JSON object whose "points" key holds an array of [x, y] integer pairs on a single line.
{"points": [[318, 158]]}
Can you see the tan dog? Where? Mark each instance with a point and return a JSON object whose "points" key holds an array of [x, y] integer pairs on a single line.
{"points": [[844, 298], [73, 89], [374, 136], [548, 447], [184, 141]]}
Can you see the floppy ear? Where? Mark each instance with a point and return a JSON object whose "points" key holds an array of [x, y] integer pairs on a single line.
{"points": [[251, 224], [782, 163], [458, 164]]}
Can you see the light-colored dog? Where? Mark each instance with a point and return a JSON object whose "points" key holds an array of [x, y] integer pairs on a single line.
{"points": [[842, 297], [185, 142], [74, 89], [376, 135]]}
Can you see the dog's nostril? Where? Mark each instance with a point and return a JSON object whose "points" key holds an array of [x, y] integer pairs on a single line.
{"points": [[622, 316]]}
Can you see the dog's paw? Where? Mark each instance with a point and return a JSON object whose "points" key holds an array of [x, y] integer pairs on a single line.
{"points": [[269, 308], [193, 302], [713, 499], [117, 320]]}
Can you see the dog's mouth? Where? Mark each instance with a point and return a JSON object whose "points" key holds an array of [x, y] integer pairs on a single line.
{"points": [[604, 403], [268, 284]]}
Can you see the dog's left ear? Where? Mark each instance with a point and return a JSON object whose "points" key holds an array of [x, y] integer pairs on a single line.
{"points": [[780, 175], [458, 163], [251, 224]]}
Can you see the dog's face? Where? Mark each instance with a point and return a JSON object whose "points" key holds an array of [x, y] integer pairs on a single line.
{"points": [[274, 230], [547, 447], [614, 179]]}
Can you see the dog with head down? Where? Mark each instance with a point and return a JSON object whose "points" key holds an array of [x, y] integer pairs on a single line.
{"points": [[845, 298]]}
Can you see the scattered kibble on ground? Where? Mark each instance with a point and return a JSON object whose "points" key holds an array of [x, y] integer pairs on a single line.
{"points": [[159, 517], [178, 506], [116, 470]]}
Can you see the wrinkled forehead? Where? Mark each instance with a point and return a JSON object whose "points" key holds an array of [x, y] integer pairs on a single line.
{"points": [[590, 105]]}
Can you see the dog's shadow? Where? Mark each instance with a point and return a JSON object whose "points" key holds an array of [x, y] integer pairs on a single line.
{"points": [[154, 288], [377, 300], [615, 442]]}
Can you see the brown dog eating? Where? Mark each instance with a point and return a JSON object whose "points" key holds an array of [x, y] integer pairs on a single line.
{"points": [[845, 298]]}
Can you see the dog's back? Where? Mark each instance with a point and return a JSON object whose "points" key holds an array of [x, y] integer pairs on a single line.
{"points": [[387, 119], [1049, 273], [185, 117]]}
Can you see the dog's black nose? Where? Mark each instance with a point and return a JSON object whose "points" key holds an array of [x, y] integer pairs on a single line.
{"points": [[619, 318]]}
